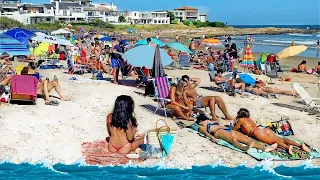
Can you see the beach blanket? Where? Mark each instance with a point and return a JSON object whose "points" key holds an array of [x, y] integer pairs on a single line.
{"points": [[277, 155], [96, 153]]}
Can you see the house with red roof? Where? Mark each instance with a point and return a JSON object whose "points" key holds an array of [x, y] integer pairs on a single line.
{"points": [[186, 13]]}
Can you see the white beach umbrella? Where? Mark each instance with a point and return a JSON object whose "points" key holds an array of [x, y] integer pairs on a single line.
{"points": [[52, 40], [60, 31]]}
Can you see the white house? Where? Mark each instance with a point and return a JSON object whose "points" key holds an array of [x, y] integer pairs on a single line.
{"points": [[101, 12], [146, 17], [67, 11]]}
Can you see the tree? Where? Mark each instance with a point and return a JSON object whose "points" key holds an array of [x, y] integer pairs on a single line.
{"points": [[186, 22], [171, 16], [122, 19]]}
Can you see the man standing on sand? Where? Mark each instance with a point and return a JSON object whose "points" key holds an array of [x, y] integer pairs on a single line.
{"points": [[192, 46], [116, 49], [177, 38]]}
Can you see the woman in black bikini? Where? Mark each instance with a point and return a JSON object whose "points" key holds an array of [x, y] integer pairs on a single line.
{"points": [[122, 127], [214, 131]]}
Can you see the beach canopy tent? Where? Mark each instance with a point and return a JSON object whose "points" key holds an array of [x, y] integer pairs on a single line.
{"points": [[212, 42], [52, 40], [291, 51], [21, 35], [144, 42], [143, 55], [157, 68], [247, 61], [12, 46], [178, 46], [60, 31]]}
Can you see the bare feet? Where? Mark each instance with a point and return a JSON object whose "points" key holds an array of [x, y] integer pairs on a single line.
{"points": [[229, 118], [250, 146], [276, 96], [290, 149], [271, 148], [215, 118], [305, 148], [190, 119], [65, 99]]}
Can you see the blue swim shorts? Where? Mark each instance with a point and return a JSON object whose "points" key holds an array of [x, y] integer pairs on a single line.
{"points": [[114, 63]]}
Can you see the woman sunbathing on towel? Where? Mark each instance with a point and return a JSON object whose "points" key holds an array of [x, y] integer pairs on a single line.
{"points": [[266, 135], [214, 131], [178, 101], [122, 127], [260, 92], [275, 90]]}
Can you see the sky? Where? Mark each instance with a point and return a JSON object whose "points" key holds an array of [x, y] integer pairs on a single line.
{"points": [[234, 12]]}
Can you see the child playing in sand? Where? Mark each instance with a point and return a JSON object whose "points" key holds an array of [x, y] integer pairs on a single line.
{"points": [[122, 127]]}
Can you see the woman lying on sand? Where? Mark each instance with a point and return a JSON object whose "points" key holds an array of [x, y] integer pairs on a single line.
{"points": [[178, 104], [207, 101], [274, 90], [260, 92], [214, 130], [266, 135], [122, 127]]}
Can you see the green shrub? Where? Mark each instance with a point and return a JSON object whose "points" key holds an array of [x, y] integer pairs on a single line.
{"points": [[175, 21], [186, 22], [217, 24], [7, 23]]}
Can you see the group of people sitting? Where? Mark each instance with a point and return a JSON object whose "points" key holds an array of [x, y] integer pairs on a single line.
{"points": [[302, 68], [124, 136]]}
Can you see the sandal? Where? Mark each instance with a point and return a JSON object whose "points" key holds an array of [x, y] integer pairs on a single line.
{"points": [[52, 103]]}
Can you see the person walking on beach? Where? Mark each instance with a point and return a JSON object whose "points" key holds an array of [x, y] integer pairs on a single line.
{"points": [[177, 38], [116, 49], [318, 44]]}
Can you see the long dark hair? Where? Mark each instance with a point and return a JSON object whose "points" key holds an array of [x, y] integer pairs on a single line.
{"points": [[243, 113], [123, 112]]}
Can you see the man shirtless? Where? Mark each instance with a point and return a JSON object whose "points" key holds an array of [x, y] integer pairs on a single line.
{"points": [[192, 46], [207, 101], [220, 79]]}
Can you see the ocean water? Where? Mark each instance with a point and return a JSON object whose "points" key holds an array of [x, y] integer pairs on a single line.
{"points": [[263, 170], [276, 43], [278, 26]]}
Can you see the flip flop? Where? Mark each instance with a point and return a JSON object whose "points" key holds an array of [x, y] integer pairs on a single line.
{"points": [[52, 103]]}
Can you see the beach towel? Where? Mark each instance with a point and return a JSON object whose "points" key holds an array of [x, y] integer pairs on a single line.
{"points": [[276, 155], [97, 153]]}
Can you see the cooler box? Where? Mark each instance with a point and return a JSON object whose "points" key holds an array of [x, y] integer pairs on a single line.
{"points": [[24, 88]]}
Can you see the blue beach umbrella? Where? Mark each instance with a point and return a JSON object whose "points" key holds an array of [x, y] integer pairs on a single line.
{"points": [[106, 39], [144, 55], [130, 30], [246, 78], [12, 46], [21, 35], [154, 40], [178, 46]]}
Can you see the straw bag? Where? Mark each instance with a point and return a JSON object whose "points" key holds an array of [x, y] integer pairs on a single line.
{"points": [[165, 140], [152, 135]]}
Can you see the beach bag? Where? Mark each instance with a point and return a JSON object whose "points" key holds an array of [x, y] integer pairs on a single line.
{"points": [[271, 58], [165, 140], [281, 127], [153, 135]]}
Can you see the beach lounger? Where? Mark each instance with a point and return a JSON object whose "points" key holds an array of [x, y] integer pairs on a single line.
{"points": [[310, 102], [161, 93]]}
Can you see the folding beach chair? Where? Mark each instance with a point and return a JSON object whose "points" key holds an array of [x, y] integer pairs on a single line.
{"points": [[271, 69], [224, 88], [310, 102], [142, 79], [76, 68], [161, 93], [184, 61]]}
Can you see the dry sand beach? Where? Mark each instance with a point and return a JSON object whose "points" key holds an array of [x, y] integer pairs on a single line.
{"points": [[36, 132]]}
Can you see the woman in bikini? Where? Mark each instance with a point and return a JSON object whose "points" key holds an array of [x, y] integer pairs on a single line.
{"points": [[213, 130], [266, 135], [122, 127], [261, 85], [178, 101]]}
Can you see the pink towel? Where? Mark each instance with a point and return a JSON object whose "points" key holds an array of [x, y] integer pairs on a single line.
{"points": [[26, 85]]}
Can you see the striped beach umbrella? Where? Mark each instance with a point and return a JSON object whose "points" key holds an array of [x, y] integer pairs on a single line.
{"points": [[247, 61], [12, 46]]}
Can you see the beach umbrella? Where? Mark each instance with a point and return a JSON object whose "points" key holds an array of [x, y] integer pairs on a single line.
{"points": [[42, 49], [21, 35], [143, 55], [106, 39], [12, 46], [144, 42], [247, 61], [211, 42], [60, 31], [247, 78], [130, 30], [52, 40], [292, 51], [178, 46], [157, 68]]}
